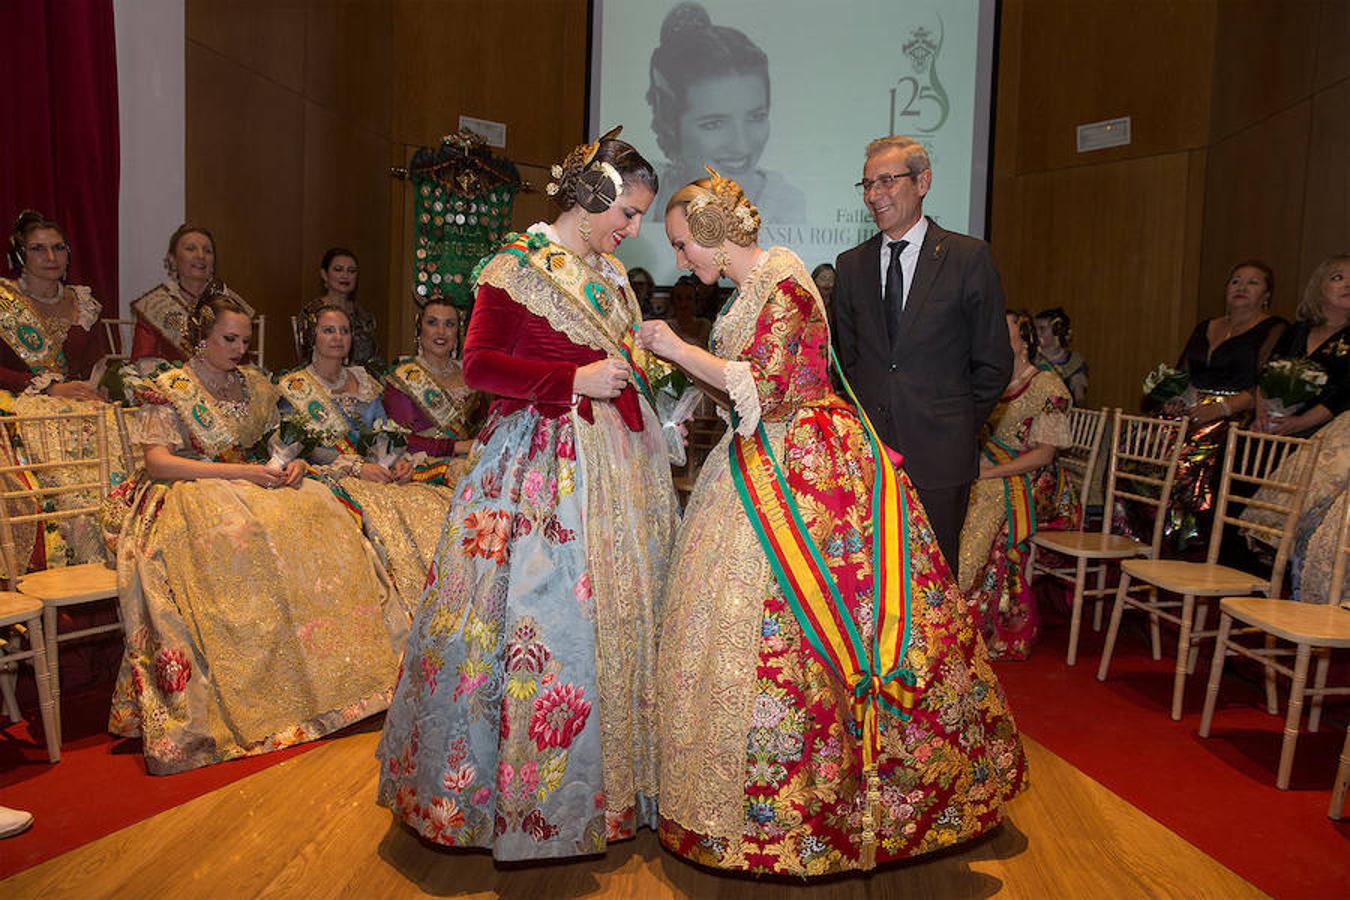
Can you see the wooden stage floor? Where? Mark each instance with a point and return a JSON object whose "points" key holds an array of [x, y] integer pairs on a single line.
{"points": [[309, 828]]}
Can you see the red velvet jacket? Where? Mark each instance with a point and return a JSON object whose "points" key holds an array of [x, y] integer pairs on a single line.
{"points": [[520, 359], [147, 341], [82, 348]]}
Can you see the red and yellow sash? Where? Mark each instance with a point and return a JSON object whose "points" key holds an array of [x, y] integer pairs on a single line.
{"points": [[876, 675], [1018, 500]]}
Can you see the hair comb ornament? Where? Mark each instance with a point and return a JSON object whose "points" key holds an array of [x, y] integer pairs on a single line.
{"points": [[722, 213]]}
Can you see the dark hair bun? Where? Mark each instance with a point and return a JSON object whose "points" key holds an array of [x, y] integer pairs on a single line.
{"points": [[684, 18]]}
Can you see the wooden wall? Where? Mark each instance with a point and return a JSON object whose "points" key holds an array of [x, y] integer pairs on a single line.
{"points": [[1241, 124], [1240, 136], [297, 109]]}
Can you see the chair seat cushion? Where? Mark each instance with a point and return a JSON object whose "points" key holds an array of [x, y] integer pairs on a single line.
{"points": [[1197, 579]]}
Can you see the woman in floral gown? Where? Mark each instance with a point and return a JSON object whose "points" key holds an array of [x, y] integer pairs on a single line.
{"points": [[825, 703], [401, 518], [256, 614], [524, 717], [1019, 490], [426, 394]]}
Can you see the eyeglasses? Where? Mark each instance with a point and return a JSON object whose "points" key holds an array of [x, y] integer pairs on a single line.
{"points": [[885, 182]]}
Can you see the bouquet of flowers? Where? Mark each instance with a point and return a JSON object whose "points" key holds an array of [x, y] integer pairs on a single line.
{"points": [[676, 398], [297, 435], [1166, 383], [383, 443], [1287, 384]]}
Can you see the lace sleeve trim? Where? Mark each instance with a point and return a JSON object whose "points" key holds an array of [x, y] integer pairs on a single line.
{"points": [[744, 396]]}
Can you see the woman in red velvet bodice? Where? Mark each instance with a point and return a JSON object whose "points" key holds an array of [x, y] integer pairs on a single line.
{"points": [[49, 334], [553, 554]]}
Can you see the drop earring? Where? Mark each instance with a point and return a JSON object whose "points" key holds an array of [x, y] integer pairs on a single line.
{"points": [[723, 260], [584, 226]]}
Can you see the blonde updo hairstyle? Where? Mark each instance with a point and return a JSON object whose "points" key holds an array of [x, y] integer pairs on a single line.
{"points": [[209, 310], [718, 211]]}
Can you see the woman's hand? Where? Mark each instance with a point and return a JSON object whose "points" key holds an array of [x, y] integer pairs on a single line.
{"points": [[375, 472], [262, 476], [1203, 413], [402, 470], [462, 448], [294, 473], [72, 390], [987, 467], [602, 380], [656, 335]]}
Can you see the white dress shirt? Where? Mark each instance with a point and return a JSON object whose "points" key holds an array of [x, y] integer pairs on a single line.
{"points": [[909, 257]]}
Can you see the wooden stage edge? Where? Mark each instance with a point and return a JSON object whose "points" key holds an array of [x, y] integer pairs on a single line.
{"points": [[309, 827]]}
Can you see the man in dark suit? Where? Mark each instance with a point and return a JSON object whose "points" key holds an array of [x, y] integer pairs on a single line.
{"points": [[921, 334]]}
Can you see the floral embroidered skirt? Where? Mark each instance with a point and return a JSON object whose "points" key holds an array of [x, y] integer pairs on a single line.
{"points": [[518, 724], [996, 577], [244, 634], [761, 755]]}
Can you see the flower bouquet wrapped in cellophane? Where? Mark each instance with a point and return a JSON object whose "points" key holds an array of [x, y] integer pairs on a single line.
{"points": [[383, 442], [676, 396], [1287, 384]]}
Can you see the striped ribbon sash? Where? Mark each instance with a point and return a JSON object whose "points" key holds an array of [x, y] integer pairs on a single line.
{"points": [[431, 473], [1019, 504], [875, 675]]}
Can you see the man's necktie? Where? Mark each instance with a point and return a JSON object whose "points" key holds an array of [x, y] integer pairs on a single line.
{"points": [[895, 292]]}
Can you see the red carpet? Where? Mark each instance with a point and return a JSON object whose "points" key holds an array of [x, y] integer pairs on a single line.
{"points": [[1218, 792]]}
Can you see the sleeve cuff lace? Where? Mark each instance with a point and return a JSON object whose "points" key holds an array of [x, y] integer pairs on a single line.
{"points": [[744, 396], [1051, 428], [155, 425]]}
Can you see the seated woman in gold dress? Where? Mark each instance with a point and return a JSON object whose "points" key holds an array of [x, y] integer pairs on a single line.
{"points": [[50, 341], [1019, 490], [257, 615], [49, 336], [403, 520], [426, 394]]}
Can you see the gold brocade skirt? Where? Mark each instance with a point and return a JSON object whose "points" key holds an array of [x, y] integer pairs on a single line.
{"points": [[254, 619], [404, 523]]}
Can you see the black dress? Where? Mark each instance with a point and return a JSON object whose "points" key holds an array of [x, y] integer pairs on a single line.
{"points": [[1333, 355], [1233, 365], [1229, 368]]}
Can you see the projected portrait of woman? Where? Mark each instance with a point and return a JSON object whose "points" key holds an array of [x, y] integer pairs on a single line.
{"points": [[709, 96]]}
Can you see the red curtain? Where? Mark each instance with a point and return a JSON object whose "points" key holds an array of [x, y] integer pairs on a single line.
{"points": [[59, 139]]}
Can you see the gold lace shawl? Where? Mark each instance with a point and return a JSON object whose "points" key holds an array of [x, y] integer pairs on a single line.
{"points": [[168, 311], [450, 408], [36, 339], [312, 397], [213, 430], [553, 282]]}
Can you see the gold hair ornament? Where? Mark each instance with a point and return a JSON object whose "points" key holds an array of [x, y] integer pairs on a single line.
{"points": [[722, 212]]}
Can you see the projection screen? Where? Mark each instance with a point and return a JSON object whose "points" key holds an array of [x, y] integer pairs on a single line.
{"points": [[783, 96]]}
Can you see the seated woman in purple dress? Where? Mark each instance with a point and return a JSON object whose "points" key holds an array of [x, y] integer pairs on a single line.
{"points": [[426, 394]]}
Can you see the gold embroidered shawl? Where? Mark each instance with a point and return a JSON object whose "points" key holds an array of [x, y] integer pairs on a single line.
{"points": [[213, 431], [167, 311], [313, 398], [451, 408], [36, 339]]}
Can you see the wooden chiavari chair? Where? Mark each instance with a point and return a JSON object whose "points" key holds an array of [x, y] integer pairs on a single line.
{"points": [[1144, 453], [1251, 459]]}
